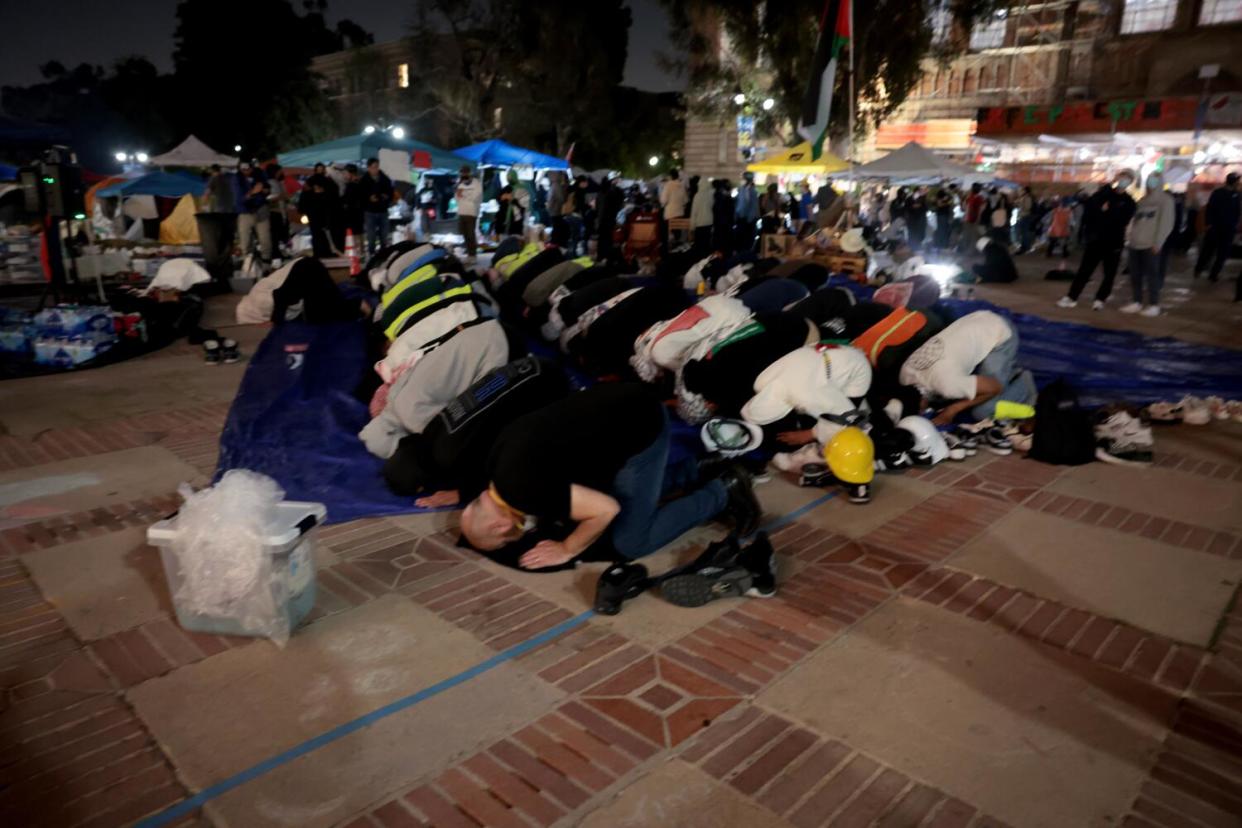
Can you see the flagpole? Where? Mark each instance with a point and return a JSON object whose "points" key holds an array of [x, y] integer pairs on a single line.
{"points": [[853, 37]]}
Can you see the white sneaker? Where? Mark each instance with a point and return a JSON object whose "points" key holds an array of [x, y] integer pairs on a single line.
{"points": [[793, 461], [1097, 305], [1151, 310], [1132, 307], [1124, 440], [1066, 302], [1218, 407], [1195, 411], [1165, 412]]}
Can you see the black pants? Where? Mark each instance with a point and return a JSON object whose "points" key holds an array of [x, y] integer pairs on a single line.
{"points": [[1215, 251], [216, 232], [1092, 255], [702, 240], [321, 238]]}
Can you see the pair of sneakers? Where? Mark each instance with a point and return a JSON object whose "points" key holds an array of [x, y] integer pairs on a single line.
{"points": [[992, 435], [1123, 439], [725, 569], [1141, 309], [216, 351], [1070, 302]]}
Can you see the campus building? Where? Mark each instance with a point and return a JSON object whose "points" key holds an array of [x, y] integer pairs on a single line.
{"points": [[1063, 91]]}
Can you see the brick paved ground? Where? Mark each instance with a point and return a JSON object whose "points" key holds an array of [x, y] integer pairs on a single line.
{"points": [[988, 643]]}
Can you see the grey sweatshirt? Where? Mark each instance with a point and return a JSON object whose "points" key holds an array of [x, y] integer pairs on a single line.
{"points": [[1153, 220], [423, 391]]}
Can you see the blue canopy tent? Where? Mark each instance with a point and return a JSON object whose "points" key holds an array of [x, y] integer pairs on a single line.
{"points": [[159, 183], [8, 173], [498, 153], [355, 148]]}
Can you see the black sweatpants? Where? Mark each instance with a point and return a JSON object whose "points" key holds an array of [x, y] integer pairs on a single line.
{"points": [[1215, 252], [1092, 255]]}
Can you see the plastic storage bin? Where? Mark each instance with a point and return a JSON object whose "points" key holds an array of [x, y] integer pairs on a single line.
{"points": [[291, 545]]}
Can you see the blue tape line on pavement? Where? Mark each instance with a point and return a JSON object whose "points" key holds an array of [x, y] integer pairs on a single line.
{"points": [[777, 523], [204, 796], [207, 794]]}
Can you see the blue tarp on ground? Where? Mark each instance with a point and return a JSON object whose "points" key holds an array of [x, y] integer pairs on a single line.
{"points": [[1110, 366], [296, 420], [159, 183], [497, 153]]}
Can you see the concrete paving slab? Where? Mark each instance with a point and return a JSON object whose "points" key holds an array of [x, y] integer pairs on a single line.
{"points": [[1164, 492], [99, 480], [327, 786], [893, 495], [103, 585], [153, 383], [1033, 736], [680, 794], [1219, 441], [426, 523], [647, 619], [252, 702], [1174, 592], [782, 495]]}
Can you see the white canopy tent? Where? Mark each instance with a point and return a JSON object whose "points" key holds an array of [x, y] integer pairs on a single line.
{"points": [[192, 153], [914, 162]]}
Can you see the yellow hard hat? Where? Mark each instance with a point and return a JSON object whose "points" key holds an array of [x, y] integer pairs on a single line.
{"points": [[851, 456]]}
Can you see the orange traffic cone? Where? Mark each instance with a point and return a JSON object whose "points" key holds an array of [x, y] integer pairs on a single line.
{"points": [[351, 253]]}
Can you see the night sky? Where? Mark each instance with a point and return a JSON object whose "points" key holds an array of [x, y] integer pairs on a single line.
{"points": [[100, 31]]}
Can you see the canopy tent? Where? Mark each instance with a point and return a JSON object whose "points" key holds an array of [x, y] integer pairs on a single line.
{"points": [[355, 148], [915, 161], [797, 161], [192, 153], [93, 190], [159, 183], [8, 173], [498, 153]]}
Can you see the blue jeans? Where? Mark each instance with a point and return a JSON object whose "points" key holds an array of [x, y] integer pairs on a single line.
{"points": [[1002, 365], [376, 227], [644, 524]]}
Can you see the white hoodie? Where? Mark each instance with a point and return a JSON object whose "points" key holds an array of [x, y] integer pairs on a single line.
{"points": [[1154, 217]]}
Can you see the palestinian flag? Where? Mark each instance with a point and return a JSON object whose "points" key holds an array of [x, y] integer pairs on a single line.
{"points": [[834, 35]]}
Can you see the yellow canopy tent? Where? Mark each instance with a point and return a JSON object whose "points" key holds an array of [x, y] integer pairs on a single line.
{"points": [[181, 226], [797, 161]]}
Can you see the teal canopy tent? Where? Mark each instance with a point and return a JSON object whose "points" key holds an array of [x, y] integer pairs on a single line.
{"points": [[357, 148]]}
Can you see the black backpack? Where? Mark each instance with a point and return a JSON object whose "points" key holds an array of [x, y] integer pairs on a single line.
{"points": [[1064, 435]]}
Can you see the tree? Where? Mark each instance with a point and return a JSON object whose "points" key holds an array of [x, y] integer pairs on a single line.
{"points": [[243, 72], [772, 47], [538, 73]]}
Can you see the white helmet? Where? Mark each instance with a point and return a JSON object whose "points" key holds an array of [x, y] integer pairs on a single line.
{"points": [[929, 445]]}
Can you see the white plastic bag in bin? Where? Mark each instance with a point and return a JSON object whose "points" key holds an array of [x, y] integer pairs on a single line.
{"points": [[239, 559]]}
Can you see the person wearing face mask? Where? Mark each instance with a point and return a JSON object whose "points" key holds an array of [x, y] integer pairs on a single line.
{"points": [[1153, 221], [469, 196], [1105, 218]]}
